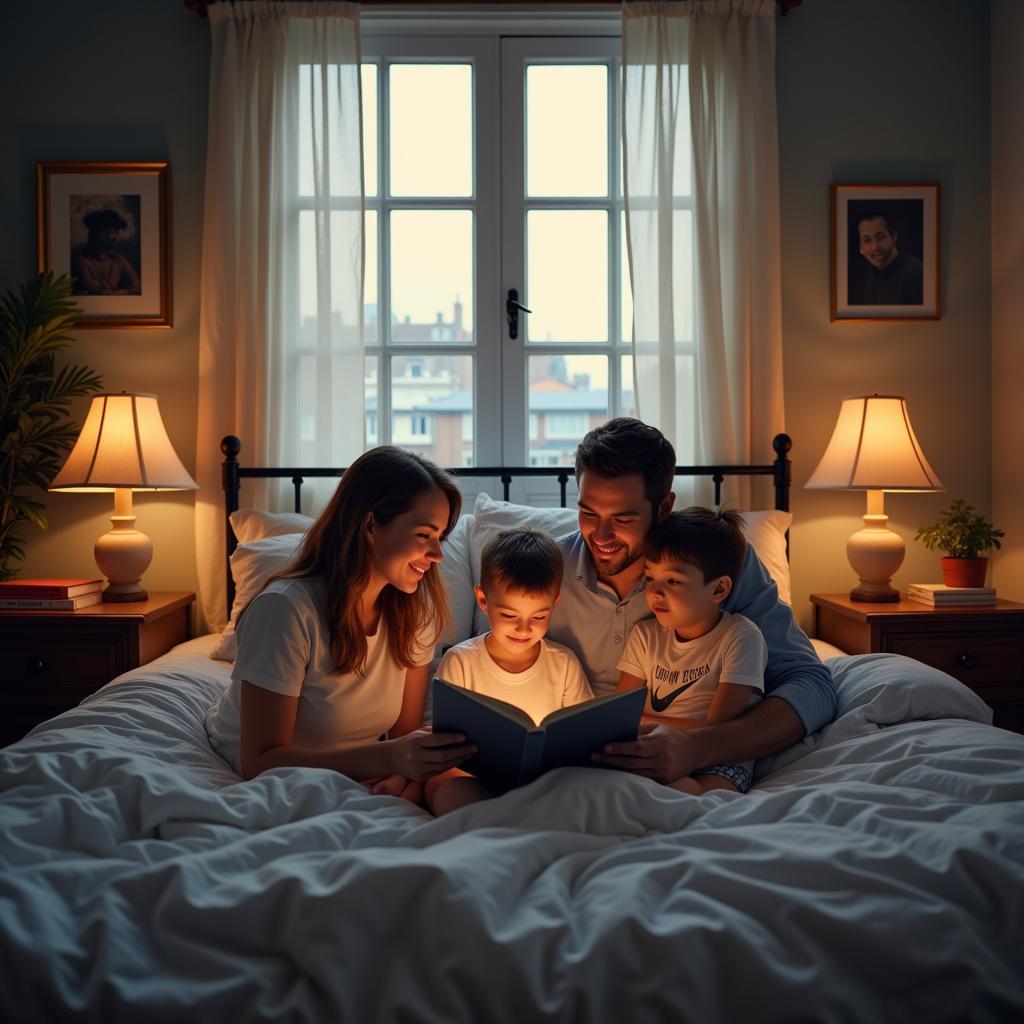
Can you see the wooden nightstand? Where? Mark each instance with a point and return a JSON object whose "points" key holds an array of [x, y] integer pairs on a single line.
{"points": [[982, 647], [52, 660]]}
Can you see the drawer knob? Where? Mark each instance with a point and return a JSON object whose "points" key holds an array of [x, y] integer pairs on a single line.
{"points": [[36, 664], [968, 661]]}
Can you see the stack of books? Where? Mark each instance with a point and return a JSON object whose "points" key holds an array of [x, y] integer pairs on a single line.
{"points": [[50, 595], [938, 595]]}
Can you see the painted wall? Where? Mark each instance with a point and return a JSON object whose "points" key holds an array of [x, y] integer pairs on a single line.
{"points": [[875, 91], [1007, 294], [121, 80], [869, 90]]}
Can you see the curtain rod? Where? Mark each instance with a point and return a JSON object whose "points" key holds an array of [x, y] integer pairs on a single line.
{"points": [[199, 6]]}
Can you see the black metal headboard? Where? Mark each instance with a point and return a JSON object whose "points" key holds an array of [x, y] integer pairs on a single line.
{"points": [[232, 475]]}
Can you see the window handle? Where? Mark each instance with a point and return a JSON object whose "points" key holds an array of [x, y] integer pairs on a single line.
{"points": [[512, 309]]}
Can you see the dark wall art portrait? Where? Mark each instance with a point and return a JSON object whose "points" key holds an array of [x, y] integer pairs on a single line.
{"points": [[107, 226], [885, 252]]}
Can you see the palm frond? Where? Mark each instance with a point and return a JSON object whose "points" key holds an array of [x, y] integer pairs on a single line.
{"points": [[35, 434]]}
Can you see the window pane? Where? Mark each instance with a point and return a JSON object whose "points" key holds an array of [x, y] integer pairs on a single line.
{"points": [[567, 275], [625, 291], [370, 401], [568, 396], [369, 75], [319, 83], [647, 315], [567, 130], [431, 129], [339, 276], [431, 396], [370, 317], [627, 399], [431, 275]]}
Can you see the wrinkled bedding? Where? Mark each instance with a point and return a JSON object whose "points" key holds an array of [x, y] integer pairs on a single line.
{"points": [[875, 872]]}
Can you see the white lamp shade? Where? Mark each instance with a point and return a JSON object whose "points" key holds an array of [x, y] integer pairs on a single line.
{"points": [[123, 443], [873, 447]]}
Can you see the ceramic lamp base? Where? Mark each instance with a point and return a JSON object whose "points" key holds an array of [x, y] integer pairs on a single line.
{"points": [[123, 554], [875, 553]]}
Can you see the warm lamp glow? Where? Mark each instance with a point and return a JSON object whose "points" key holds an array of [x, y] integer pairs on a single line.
{"points": [[123, 447], [873, 448]]}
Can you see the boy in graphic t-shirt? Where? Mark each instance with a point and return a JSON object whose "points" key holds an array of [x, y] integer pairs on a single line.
{"points": [[702, 665]]}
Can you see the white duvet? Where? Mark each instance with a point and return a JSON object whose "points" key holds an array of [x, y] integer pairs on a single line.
{"points": [[874, 873]]}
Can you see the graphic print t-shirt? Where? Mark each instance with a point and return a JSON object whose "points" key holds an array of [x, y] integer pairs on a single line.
{"points": [[682, 675]]}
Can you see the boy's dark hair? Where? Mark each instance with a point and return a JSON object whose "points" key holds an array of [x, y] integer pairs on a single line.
{"points": [[524, 560], [712, 541], [626, 445]]}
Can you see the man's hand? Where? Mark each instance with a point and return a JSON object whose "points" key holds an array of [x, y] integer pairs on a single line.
{"points": [[658, 752]]}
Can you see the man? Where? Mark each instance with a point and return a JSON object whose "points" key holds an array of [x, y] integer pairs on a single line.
{"points": [[624, 471], [893, 278]]}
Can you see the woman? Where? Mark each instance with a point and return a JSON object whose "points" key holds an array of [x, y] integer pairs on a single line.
{"points": [[335, 650]]}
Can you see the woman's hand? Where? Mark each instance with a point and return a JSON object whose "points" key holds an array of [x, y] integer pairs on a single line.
{"points": [[422, 753]]}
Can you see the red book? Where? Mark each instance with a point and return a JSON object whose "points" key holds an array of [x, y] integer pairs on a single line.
{"points": [[49, 588]]}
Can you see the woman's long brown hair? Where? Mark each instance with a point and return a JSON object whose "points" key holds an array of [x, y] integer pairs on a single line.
{"points": [[384, 482]]}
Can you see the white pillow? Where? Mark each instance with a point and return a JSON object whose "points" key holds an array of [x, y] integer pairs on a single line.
{"points": [[252, 564], [255, 524], [765, 532], [458, 580]]}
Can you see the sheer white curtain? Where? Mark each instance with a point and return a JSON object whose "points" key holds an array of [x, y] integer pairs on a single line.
{"points": [[702, 209], [281, 360]]}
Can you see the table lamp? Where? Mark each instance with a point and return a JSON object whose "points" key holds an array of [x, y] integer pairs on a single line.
{"points": [[873, 449], [123, 447]]}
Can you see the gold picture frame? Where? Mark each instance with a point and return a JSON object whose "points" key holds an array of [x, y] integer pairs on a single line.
{"points": [[107, 226], [885, 252]]}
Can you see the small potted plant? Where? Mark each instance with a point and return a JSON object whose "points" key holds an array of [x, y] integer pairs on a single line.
{"points": [[963, 533]]}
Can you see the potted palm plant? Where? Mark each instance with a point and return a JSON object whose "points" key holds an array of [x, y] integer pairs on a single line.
{"points": [[35, 433], [963, 533]]}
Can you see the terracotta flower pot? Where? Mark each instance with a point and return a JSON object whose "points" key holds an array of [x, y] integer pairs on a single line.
{"points": [[964, 572]]}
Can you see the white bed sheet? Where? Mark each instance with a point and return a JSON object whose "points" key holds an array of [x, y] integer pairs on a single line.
{"points": [[874, 873]]}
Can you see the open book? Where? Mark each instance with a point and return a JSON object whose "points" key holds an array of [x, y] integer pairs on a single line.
{"points": [[512, 750]]}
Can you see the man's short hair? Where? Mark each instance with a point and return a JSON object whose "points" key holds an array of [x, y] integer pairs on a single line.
{"points": [[526, 561], [625, 445], [711, 540], [875, 215]]}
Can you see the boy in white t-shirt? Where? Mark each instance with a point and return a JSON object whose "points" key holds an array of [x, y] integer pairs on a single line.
{"points": [[702, 665], [520, 578]]}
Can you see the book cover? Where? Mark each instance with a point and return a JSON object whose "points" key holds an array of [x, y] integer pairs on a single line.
{"points": [[42, 604], [941, 590], [49, 588], [513, 750]]}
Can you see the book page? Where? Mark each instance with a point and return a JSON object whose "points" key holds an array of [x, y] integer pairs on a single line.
{"points": [[576, 709]]}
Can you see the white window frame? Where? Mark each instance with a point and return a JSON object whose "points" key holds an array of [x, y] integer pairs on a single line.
{"points": [[501, 431]]}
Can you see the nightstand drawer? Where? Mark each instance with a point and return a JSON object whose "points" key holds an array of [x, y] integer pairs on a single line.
{"points": [[967, 656], [78, 665]]}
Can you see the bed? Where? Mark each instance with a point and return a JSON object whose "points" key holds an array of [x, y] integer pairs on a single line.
{"points": [[875, 871]]}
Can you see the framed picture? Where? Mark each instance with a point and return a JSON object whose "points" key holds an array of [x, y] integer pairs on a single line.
{"points": [[106, 226], [885, 252]]}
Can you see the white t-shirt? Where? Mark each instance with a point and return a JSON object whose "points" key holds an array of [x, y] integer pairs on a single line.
{"points": [[555, 680], [283, 646], [682, 675]]}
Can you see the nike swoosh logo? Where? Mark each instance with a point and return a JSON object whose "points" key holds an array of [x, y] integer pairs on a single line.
{"points": [[659, 703]]}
